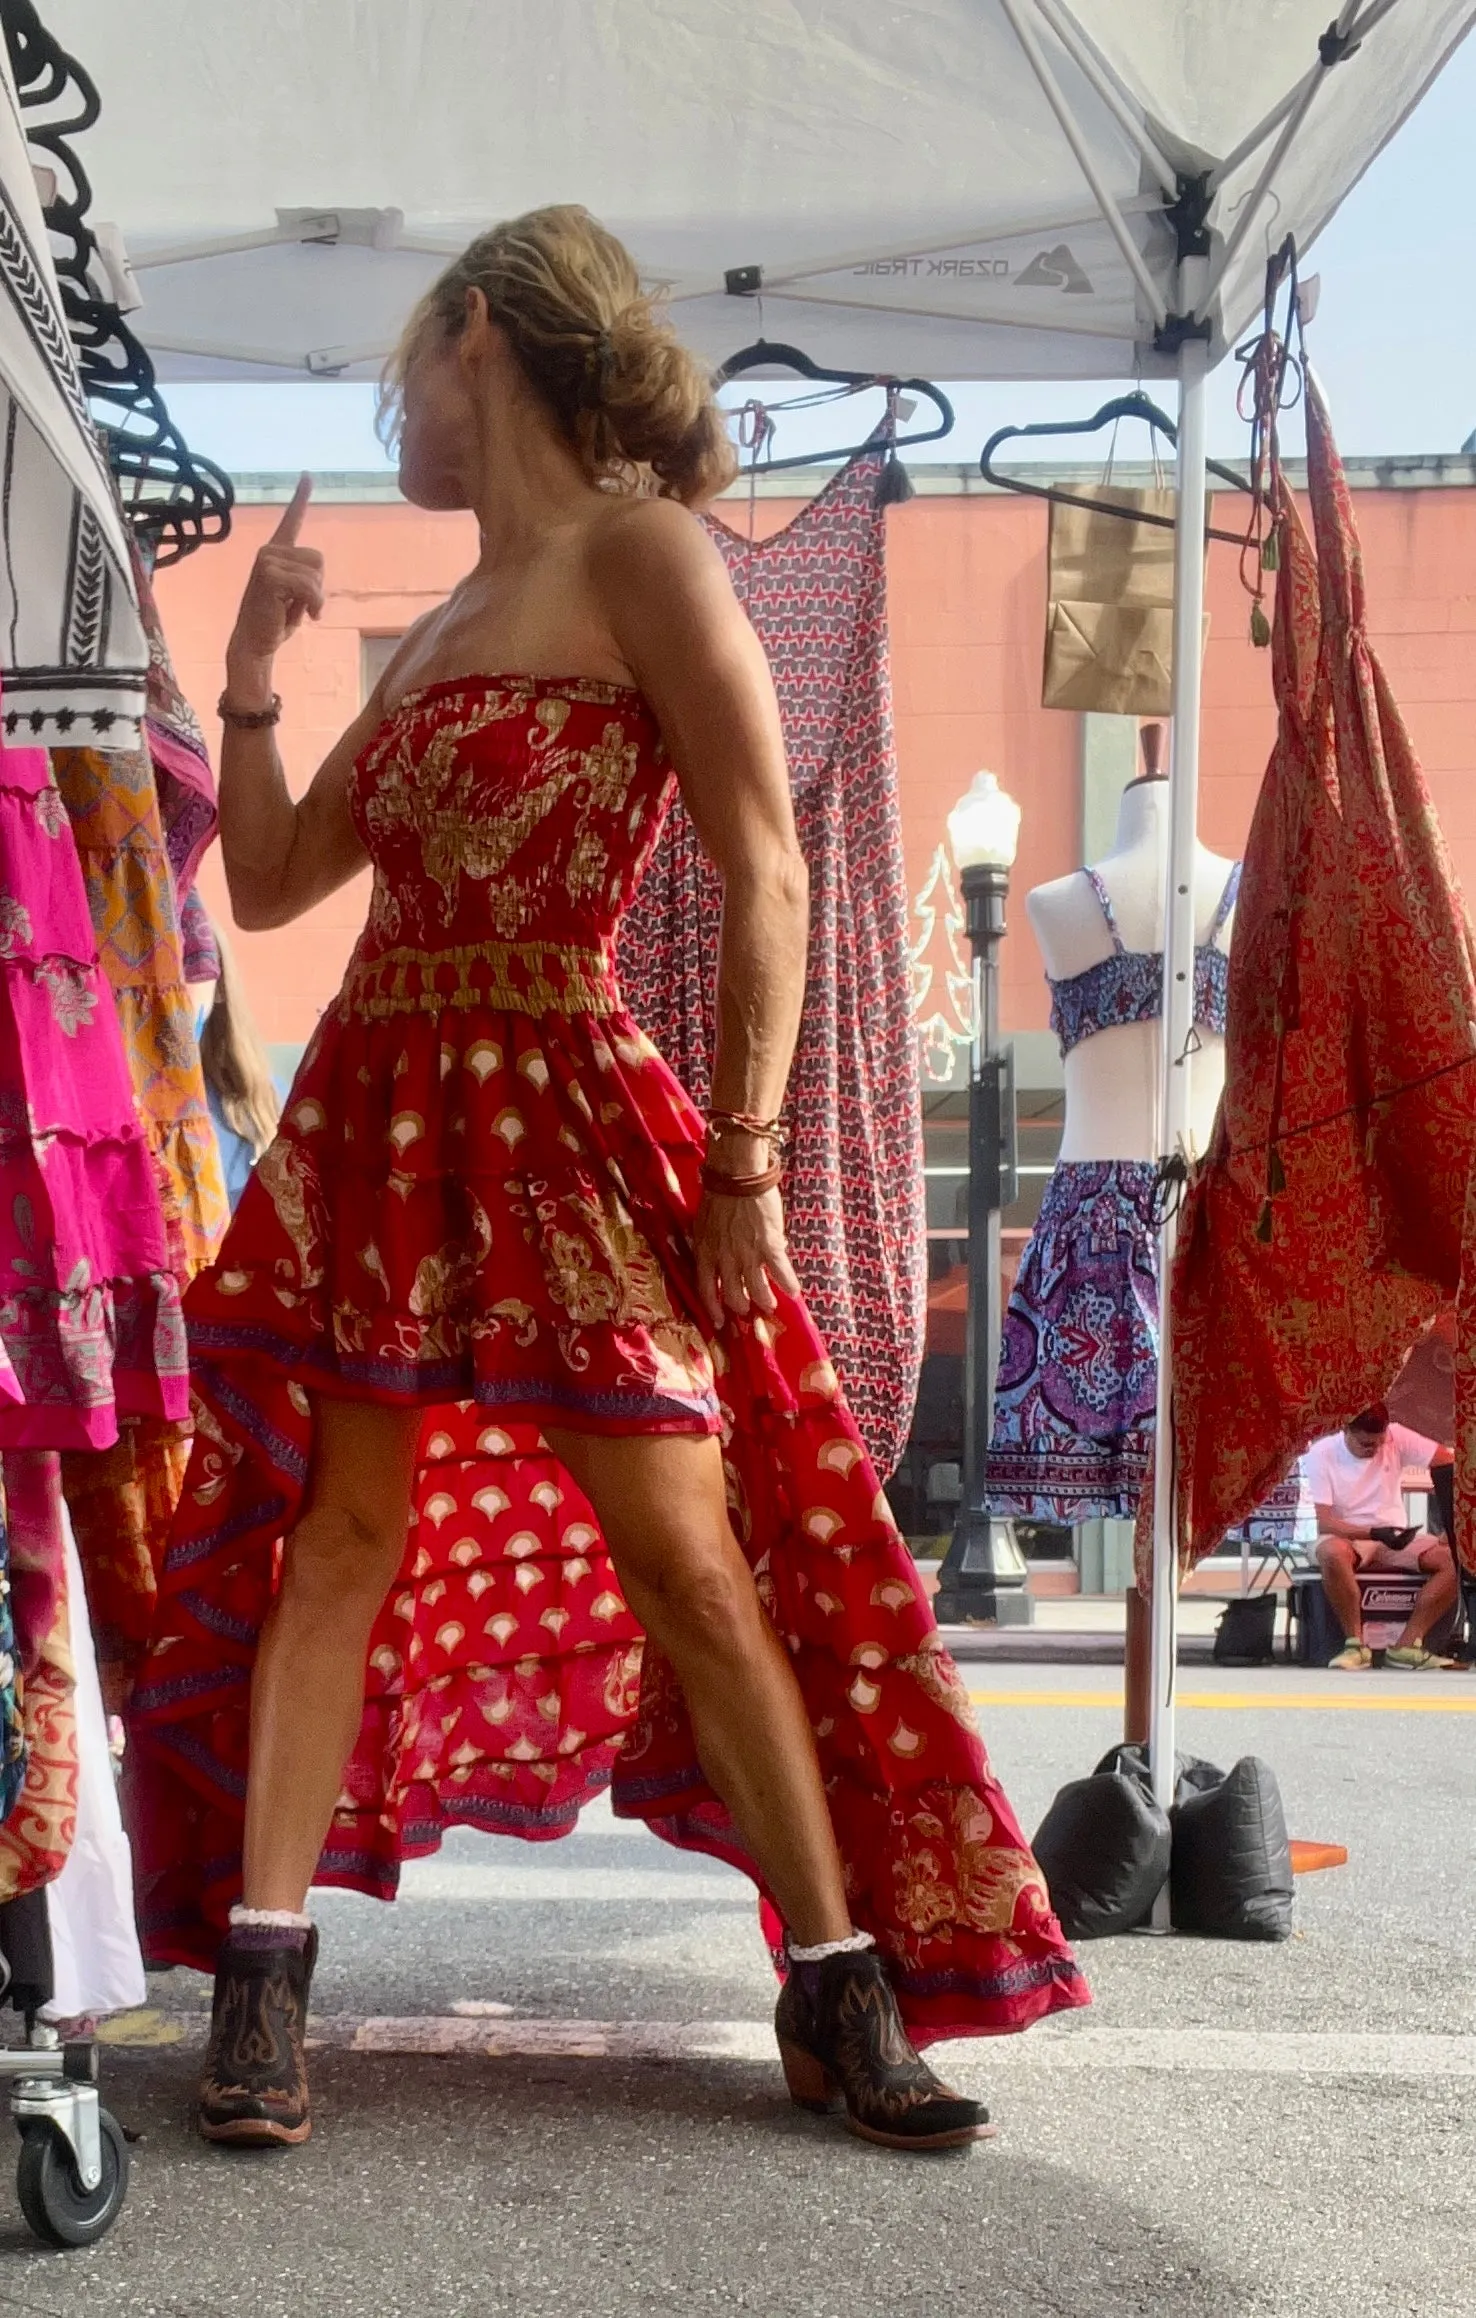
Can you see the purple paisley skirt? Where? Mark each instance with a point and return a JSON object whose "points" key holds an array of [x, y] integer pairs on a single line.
{"points": [[1078, 1369]]}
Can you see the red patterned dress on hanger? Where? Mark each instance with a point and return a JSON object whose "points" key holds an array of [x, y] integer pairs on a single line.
{"points": [[1333, 1215], [480, 1203], [816, 594]]}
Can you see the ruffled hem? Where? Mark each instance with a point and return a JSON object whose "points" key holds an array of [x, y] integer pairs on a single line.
{"points": [[159, 1040], [508, 1685], [192, 1198], [507, 1680], [52, 997], [76, 1361], [540, 1280]]}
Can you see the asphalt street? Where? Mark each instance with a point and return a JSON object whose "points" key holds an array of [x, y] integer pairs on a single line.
{"points": [[546, 2085]]}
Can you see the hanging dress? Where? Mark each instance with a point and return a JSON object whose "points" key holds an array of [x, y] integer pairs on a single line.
{"points": [[480, 1204], [71, 646], [183, 779], [12, 1724], [96, 1964], [36, 1835], [91, 1332], [122, 1498], [816, 593], [1329, 1221], [112, 803], [90, 1325], [1078, 1369]]}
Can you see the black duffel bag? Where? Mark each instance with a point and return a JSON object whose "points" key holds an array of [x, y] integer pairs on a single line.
{"points": [[1246, 1632]]}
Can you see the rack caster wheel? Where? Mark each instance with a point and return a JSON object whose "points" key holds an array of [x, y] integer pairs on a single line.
{"points": [[56, 2206]]}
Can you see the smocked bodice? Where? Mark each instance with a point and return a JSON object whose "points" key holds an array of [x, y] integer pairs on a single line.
{"points": [[1128, 986], [509, 820]]}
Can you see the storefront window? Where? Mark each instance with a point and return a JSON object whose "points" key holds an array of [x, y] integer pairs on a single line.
{"points": [[924, 1492], [375, 655]]}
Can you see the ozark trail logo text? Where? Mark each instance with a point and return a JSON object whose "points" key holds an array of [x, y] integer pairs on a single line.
{"points": [[1052, 269]]}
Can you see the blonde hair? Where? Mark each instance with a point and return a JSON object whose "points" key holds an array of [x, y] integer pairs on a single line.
{"points": [[235, 1061], [628, 397]]}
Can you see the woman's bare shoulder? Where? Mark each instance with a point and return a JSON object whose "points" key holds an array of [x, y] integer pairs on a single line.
{"points": [[631, 538], [406, 665], [663, 588]]}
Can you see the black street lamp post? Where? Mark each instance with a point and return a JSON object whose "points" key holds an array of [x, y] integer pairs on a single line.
{"points": [[983, 1574]]}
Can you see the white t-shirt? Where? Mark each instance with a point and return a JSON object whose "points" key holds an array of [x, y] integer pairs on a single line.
{"points": [[1366, 1489]]}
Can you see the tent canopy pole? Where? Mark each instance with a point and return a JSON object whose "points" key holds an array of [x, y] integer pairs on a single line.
{"points": [[1250, 208], [1109, 89], [1018, 13], [1357, 29], [1177, 1019]]}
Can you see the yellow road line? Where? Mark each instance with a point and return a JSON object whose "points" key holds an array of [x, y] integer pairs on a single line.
{"points": [[1231, 1701]]}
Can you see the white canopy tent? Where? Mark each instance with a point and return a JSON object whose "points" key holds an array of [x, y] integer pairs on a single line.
{"points": [[983, 189], [961, 188]]}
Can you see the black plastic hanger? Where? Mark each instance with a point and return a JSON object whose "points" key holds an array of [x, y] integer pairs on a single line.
{"points": [[173, 501], [1123, 406], [772, 353]]}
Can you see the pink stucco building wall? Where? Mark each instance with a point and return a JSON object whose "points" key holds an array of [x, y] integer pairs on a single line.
{"points": [[967, 599]]}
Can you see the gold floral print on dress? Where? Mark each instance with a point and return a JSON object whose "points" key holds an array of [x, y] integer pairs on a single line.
{"points": [[438, 795]]}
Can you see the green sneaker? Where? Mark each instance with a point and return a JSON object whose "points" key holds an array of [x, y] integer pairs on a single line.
{"points": [[1354, 1658], [1414, 1658]]}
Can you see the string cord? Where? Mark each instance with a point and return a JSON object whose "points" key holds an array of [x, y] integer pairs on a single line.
{"points": [[1379, 1101], [755, 433]]}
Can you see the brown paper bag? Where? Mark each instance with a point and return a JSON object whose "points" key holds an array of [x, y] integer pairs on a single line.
{"points": [[1109, 624]]}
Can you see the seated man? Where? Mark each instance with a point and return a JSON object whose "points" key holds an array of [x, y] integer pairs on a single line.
{"points": [[1353, 1479]]}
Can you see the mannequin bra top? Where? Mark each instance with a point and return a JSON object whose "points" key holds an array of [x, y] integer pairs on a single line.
{"points": [[1128, 986]]}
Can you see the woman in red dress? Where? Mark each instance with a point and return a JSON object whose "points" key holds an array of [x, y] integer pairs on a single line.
{"points": [[504, 1342]]}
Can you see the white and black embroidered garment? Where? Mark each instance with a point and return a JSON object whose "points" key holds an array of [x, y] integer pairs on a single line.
{"points": [[72, 650]]}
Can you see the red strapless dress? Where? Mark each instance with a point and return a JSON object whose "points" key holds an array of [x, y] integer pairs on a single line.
{"points": [[480, 1203]]}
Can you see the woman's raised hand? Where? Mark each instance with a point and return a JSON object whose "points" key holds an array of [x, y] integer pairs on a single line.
{"points": [[286, 585]]}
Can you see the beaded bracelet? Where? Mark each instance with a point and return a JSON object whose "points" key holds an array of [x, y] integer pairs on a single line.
{"points": [[743, 1123], [741, 1186], [249, 719]]}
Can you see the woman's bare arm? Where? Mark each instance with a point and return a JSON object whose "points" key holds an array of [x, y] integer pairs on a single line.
{"points": [[674, 616], [280, 857]]}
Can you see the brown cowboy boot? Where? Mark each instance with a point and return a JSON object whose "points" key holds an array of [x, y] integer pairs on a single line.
{"points": [[840, 2033], [254, 2089]]}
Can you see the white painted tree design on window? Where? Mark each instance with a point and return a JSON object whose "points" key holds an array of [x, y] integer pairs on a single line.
{"points": [[942, 981]]}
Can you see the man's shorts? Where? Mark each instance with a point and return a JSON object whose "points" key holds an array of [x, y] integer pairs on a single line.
{"points": [[1369, 1553]]}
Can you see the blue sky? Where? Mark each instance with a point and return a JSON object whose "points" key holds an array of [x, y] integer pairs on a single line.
{"points": [[1394, 341]]}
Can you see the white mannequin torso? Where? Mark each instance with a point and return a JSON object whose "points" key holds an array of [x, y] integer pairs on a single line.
{"points": [[1112, 1078]]}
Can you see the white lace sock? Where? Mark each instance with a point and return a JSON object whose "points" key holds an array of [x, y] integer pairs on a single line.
{"points": [[269, 1920], [854, 1946]]}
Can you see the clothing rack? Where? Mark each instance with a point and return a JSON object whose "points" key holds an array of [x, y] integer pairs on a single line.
{"points": [[173, 500]]}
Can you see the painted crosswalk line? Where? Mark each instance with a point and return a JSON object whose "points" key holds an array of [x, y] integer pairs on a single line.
{"points": [[1240, 1701], [1069, 2045]]}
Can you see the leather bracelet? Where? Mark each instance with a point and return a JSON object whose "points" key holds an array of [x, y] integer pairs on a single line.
{"points": [[726, 1123], [249, 719], [741, 1186]]}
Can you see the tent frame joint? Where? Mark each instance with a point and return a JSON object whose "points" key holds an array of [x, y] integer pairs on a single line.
{"points": [[1335, 46], [1188, 214], [1175, 331], [743, 281]]}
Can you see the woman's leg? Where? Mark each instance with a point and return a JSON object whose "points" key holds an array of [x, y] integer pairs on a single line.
{"points": [[662, 1505], [307, 1694]]}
